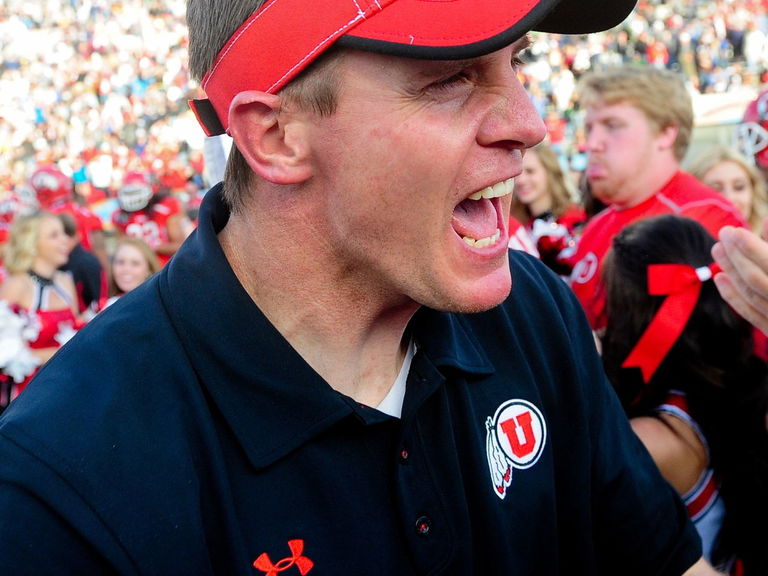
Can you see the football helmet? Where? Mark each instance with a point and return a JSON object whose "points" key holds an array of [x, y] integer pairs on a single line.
{"points": [[752, 133], [51, 186], [135, 193], [9, 208]]}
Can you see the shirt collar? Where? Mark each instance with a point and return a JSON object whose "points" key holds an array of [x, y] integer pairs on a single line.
{"points": [[272, 400]]}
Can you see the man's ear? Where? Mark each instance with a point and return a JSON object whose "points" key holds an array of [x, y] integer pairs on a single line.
{"points": [[667, 136], [272, 143]]}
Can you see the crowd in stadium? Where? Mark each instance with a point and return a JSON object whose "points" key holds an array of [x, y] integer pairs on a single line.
{"points": [[100, 87], [103, 167]]}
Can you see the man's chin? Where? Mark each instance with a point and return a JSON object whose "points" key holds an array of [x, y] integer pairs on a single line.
{"points": [[599, 188], [489, 295]]}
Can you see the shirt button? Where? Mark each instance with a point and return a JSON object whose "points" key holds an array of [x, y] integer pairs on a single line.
{"points": [[404, 456], [423, 525]]}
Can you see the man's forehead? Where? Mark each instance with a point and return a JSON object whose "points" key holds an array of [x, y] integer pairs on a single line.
{"points": [[283, 37], [618, 108]]}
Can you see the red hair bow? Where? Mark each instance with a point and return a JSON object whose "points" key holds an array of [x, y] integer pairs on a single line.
{"points": [[681, 284]]}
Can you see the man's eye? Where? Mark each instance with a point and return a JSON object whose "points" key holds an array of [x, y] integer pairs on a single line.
{"points": [[450, 82]]}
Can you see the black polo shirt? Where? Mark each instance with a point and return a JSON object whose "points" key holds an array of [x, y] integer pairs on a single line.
{"points": [[180, 434]]}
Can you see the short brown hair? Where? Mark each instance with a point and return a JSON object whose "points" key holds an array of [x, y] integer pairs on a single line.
{"points": [[211, 23], [661, 95]]}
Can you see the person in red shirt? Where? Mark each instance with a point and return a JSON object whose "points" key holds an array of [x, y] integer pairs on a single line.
{"points": [[55, 193], [158, 219], [638, 125]]}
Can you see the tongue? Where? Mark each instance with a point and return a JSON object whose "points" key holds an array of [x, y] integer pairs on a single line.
{"points": [[475, 218]]}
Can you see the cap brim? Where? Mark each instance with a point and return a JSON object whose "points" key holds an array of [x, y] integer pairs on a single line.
{"points": [[451, 29]]}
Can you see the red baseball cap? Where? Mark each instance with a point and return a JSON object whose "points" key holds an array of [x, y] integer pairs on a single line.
{"points": [[284, 36]]}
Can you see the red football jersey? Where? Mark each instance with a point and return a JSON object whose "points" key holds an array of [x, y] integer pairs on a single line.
{"points": [[683, 195], [87, 221], [150, 224]]}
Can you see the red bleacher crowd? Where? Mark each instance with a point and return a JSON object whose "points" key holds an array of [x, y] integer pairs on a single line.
{"points": [[100, 87]]}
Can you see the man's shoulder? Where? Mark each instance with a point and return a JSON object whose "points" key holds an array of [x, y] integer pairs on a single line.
{"points": [[106, 435], [533, 269], [535, 286], [122, 377], [120, 351]]}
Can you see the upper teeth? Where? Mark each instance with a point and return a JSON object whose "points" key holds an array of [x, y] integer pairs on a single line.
{"points": [[495, 191]]}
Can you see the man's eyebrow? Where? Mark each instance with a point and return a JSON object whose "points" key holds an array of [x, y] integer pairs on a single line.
{"points": [[437, 67], [440, 67]]}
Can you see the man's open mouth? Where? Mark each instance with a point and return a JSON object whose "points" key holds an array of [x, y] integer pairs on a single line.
{"points": [[477, 219]]}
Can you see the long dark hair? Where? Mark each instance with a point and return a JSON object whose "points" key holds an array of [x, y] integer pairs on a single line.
{"points": [[712, 362]]}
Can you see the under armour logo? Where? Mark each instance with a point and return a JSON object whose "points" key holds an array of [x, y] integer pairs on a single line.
{"points": [[297, 558]]}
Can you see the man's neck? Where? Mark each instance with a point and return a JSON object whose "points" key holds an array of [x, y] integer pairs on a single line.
{"points": [[652, 186], [351, 336]]}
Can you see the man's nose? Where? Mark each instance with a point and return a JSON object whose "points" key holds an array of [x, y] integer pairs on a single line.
{"points": [[512, 117], [592, 139]]}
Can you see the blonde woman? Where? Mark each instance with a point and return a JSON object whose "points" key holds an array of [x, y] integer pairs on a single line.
{"points": [[544, 203], [738, 179], [36, 289]]}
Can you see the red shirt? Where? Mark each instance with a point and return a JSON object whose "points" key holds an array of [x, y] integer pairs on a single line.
{"points": [[87, 221], [150, 224], [683, 195]]}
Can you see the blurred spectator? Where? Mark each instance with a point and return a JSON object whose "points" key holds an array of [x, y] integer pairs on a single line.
{"points": [[36, 289], [55, 193], [639, 122], [133, 262], [544, 203], [726, 170], [102, 84], [13, 203], [717, 45], [752, 133], [156, 217], [681, 362], [89, 276], [95, 86], [738, 179]]}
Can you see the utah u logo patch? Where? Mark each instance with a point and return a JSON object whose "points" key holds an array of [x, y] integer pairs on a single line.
{"points": [[515, 438]]}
